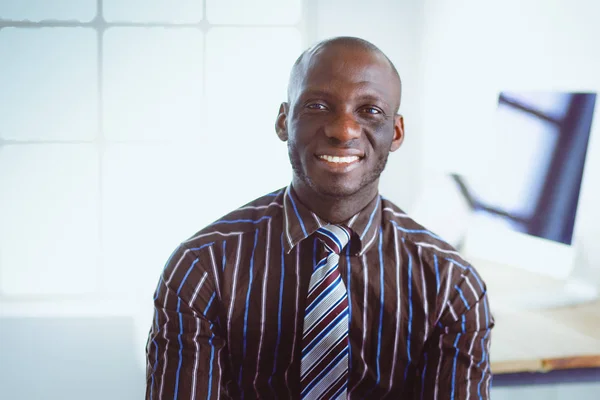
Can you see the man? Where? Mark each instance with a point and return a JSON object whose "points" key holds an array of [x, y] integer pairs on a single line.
{"points": [[323, 289]]}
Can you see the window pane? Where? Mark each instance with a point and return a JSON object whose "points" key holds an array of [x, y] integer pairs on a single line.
{"points": [[153, 82], [518, 157], [242, 64], [242, 103], [37, 10], [242, 143], [48, 209], [177, 11], [49, 83], [253, 12], [156, 196]]}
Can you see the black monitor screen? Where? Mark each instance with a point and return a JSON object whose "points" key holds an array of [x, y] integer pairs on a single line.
{"points": [[533, 179]]}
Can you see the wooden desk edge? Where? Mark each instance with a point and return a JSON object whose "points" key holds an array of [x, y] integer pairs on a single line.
{"points": [[545, 365]]}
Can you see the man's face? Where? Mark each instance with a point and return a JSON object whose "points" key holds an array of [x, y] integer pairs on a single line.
{"points": [[341, 121]]}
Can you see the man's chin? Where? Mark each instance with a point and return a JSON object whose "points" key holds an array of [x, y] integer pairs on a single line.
{"points": [[336, 190]]}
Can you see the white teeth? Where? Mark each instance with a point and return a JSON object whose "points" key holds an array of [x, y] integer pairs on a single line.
{"points": [[335, 159]]}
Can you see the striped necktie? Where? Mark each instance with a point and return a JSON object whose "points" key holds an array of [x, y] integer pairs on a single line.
{"points": [[324, 364]]}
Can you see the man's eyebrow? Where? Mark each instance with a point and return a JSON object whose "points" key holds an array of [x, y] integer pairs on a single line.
{"points": [[372, 97], [314, 92]]}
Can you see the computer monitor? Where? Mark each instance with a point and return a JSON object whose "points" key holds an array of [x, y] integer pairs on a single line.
{"points": [[525, 202], [533, 181], [514, 213]]}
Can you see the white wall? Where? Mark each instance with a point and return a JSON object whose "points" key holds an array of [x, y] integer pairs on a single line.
{"points": [[471, 50]]}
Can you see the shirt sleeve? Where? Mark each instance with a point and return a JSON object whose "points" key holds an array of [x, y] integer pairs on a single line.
{"points": [[183, 346], [456, 358]]}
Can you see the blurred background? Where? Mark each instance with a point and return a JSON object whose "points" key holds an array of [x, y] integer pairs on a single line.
{"points": [[121, 119]]}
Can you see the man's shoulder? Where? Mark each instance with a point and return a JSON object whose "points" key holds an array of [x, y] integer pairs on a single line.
{"points": [[239, 221], [442, 261], [432, 246]]}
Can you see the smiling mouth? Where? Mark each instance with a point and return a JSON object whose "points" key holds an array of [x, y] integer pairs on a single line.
{"points": [[339, 160]]}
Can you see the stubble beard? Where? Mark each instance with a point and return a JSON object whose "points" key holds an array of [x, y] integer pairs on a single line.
{"points": [[336, 192]]}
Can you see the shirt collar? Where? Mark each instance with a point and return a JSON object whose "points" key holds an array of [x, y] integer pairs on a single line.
{"points": [[299, 223]]}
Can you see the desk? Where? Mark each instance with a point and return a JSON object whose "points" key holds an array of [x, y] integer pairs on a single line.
{"points": [[561, 344]]}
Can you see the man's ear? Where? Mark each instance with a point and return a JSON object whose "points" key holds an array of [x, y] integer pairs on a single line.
{"points": [[281, 122], [398, 133]]}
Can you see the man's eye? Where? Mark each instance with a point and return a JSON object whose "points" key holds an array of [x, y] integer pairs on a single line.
{"points": [[371, 110], [316, 106]]}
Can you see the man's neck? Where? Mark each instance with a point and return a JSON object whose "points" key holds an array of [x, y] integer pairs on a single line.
{"points": [[334, 209]]}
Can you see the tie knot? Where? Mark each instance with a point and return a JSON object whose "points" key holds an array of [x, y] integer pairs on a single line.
{"points": [[334, 237]]}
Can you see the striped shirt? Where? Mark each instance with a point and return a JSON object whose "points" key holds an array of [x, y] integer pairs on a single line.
{"points": [[229, 308]]}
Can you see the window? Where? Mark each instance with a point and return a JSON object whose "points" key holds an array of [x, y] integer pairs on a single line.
{"points": [[115, 116]]}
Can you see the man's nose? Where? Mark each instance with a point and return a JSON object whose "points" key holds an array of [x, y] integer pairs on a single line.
{"points": [[344, 128]]}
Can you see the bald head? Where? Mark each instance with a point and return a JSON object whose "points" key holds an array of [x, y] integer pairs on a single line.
{"points": [[340, 51]]}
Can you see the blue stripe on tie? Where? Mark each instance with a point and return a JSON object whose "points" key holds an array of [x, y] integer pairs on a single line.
{"points": [[180, 348], [212, 358], [463, 324], [469, 269], [462, 296], [325, 275], [237, 221], [348, 292], [316, 301], [278, 315], [340, 390], [250, 279], [324, 333], [331, 365], [410, 312], [437, 273], [454, 366], [324, 314], [370, 220], [223, 262], [186, 276], [320, 265], [298, 214], [324, 354], [332, 236], [348, 233], [421, 231], [423, 376]]}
